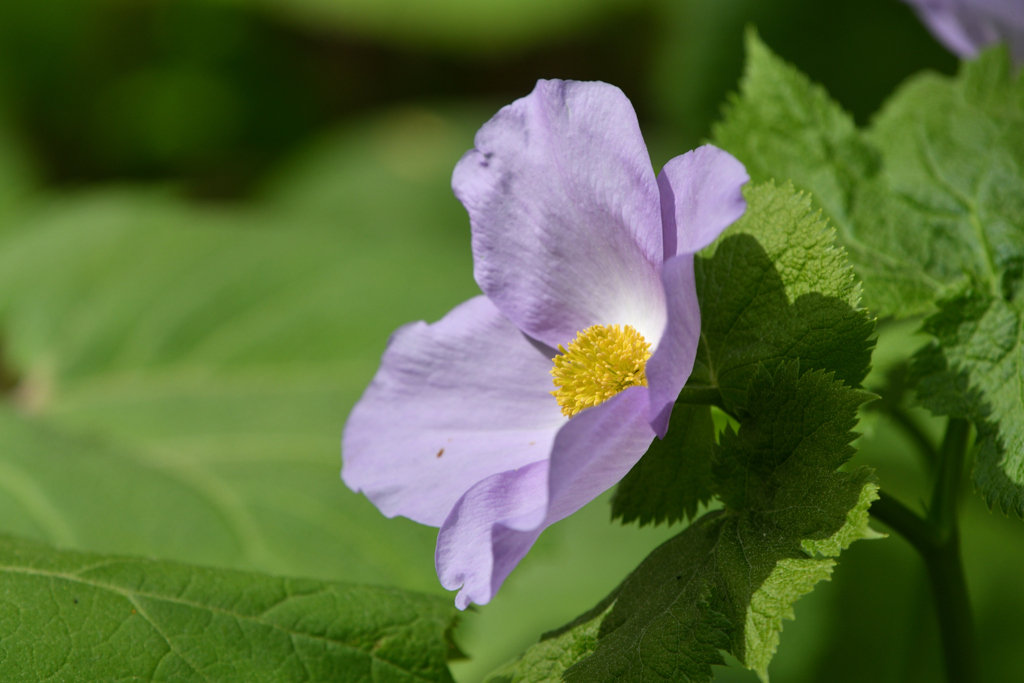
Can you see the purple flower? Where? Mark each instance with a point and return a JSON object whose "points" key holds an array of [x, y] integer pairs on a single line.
{"points": [[966, 26], [586, 264]]}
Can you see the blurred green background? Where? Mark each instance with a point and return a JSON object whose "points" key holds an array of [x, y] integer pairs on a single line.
{"points": [[214, 212]]}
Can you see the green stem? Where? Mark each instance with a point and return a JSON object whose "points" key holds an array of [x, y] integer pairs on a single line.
{"points": [[946, 497], [937, 538], [953, 606], [945, 567], [910, 427], [904, 521]]}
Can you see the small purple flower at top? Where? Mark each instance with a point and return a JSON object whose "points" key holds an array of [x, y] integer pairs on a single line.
{"points": [[967, 26], [522, 405]]}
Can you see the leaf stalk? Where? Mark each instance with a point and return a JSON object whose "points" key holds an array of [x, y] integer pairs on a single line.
{"points": [[903, 419], [937, 539]]}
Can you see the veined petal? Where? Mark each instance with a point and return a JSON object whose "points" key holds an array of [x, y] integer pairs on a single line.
{"points": [[701, 196], [452, 403], [497, 522], [564, 210]]}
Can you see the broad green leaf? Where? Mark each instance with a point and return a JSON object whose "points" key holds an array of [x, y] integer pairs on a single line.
{"points": [[546, 661], [793, 578], [74, 616], [195, 364], [953, 173], [774, 287], [975, 370], [958, 163], [936, 221], [727, 581], [926, 201], [674, 476], [783, 127]]}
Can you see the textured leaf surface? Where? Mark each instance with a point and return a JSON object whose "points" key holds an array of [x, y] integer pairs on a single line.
{"points": [[674, 476], [975, 370], [926, 201], [185, 371], [958, 163], [73, 616], [953, 173], [775, 288], [957, 172], [929, 202], [773, 601], [783, 127], [772, 288], [727, 581], [546, 661]]}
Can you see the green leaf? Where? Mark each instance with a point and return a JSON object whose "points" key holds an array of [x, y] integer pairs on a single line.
{"points": [[727, 581], [775, 288], [783, 127], [953, 173], [935, 221], [957, 174], [773, 601], [88, 617], [193, 365], [975, 370], [927, 201], [794, 578], [546, 661], [674, 476], [772, 288]]}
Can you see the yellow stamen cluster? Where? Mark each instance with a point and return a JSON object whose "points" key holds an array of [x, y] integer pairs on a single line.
{"points": [[600, 362]]}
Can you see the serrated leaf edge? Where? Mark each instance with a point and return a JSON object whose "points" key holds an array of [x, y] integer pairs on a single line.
{"points": [[793, 578]]}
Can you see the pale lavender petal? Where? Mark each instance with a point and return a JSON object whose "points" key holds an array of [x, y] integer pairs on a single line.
{"points": [[496, 523], [671, 364], [452, 403], [564, 210], [701, 195], [967, 26], [466, 556]]}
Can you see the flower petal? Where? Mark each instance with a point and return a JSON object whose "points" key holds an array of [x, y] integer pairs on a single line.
{"points": [[452, 403], [467, 557], [563, 205], [966, 26], [701, 196], [671, 364], [496, 523]]}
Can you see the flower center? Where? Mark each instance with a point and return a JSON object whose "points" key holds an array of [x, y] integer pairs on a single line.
{"points": [[600, 362]]}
